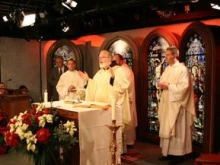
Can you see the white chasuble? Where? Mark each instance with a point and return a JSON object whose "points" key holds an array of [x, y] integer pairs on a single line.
{"points": [[176, 111], [120, 88], [131, 92], [99, 88], [130, 131], [66, 80]]}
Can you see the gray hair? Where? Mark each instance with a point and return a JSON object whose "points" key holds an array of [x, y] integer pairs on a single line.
{"points": [[107, 53], [174, 50]]}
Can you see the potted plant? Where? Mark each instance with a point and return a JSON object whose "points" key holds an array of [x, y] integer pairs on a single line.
{"points": [[39, 133]]}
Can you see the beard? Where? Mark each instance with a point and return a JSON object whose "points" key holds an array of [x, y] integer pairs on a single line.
{"points": [[104, 65]]}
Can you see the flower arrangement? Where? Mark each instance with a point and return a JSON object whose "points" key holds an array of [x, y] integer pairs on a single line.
{"points": [[3, 128], [40, 133]]}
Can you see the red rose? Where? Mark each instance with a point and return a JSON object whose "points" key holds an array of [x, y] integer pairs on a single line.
{"points": [[26, 118], [12, 139], [12, 121], [40, 113], [34, 111], [1, 118], [42, 135], [46, 111]]}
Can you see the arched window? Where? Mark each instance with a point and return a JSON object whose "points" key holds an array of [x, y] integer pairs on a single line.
{"points": [[65, 49], [152, 64], [125, 46], [195, 61], [198, 52]]}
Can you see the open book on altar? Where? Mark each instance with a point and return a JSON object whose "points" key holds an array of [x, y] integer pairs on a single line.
{"points": [[74, 104], [87, 104]]}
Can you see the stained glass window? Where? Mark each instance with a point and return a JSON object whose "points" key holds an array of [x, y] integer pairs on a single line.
{"points": [[156, 65], [195, 61], [123, 48], [64, 51]]}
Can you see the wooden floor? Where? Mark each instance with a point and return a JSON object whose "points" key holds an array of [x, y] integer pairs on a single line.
{"points": [[152, 153]]}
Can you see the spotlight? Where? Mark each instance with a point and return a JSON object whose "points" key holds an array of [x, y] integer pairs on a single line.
{"points": [[65, 27], [9, 17], [215, 6], [66, 6], [40, 38], [194, 1], [12, 16], [42, 14], [73, 3], [69, 3], [5, 18], [27, 20]]}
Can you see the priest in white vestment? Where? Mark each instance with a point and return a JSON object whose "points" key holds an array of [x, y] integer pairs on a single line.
{"points": [[176, 111], [127, 71], [70, 85], [99, 88]]}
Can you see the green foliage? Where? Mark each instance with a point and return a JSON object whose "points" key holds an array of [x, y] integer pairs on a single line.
{"points": [[63, 138], [2, 140]]}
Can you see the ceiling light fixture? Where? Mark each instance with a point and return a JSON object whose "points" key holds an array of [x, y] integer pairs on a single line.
{"points": [[69, 3], [66, 6], [5, 18], [27, 19], [65, 27], [42, 14], [194, 1], [215, 6], [73, 4], [10, 17]]}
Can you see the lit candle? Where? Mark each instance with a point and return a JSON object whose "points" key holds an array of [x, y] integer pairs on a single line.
{"points": [[45, 96], [113, 109]]}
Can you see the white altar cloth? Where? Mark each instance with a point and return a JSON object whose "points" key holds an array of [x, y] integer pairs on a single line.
{"points": [[94, 135]]}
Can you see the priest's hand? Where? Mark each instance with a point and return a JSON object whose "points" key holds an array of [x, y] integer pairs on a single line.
{"points": [[72, 88], [84, 75], [163, 85]]}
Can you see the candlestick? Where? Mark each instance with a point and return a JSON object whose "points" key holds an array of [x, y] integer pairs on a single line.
{"points": [[113, 109], [113, 146]]}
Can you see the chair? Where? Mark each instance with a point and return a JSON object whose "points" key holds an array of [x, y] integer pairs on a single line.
{"points": [[208, 159]]}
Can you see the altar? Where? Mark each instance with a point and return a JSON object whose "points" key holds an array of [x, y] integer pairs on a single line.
{"points": [[94, 135]]}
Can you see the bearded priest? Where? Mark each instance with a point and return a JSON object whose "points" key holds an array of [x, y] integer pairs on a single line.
{"points": [[100, 88]]}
